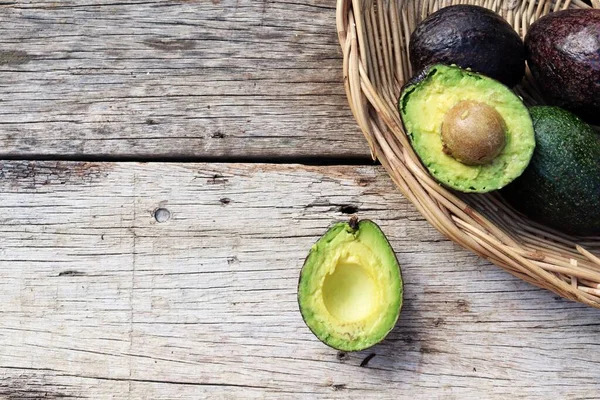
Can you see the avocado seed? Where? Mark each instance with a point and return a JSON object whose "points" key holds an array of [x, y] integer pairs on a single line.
{"points": [[473, 133]]}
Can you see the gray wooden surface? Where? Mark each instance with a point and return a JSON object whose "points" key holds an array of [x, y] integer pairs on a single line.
{"points": [[99, 300], [173, 79]]}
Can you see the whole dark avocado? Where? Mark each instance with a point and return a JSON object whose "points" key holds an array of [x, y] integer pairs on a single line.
{"points": [[470, 37], [561, 186], [563, 53]]}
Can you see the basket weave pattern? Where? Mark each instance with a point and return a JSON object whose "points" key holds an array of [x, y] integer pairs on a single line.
{"points": [[374, 39]]}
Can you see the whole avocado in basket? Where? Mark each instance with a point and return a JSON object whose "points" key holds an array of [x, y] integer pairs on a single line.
{"points": [[563, 53], [561, 186], [471, 37]]}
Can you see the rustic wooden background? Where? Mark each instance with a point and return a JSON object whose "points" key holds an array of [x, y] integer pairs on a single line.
{"points": [[167, 166]]}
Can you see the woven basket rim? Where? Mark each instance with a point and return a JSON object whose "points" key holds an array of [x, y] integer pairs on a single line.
{"points": [[374, 39]]}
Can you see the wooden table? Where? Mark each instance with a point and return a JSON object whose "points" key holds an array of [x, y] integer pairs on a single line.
{"points": [[166, 167]]}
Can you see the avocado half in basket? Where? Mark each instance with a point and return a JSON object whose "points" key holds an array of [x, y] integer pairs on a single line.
{"points": [[471, 132]]}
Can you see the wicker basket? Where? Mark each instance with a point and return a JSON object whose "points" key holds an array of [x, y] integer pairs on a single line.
{"points": [[374, 38]]}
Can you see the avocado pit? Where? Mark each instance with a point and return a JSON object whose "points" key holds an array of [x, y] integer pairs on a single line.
{"points": [[473, 133]]}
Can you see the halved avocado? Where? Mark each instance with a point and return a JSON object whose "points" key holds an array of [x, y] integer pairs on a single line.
{"points": [[350, 288], [471, 132]]}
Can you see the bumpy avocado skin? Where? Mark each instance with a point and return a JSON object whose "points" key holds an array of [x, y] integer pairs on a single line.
{"points": [[314, 317], [563, 53], [470, 37], [446, 86], [561, 186]]}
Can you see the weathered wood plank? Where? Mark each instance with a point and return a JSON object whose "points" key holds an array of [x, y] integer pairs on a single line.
{"points": [[99, 300], [163, 79]]}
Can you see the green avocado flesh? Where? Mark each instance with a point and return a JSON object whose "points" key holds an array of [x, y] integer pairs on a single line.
{"points": [[426, 100], [350, 289]]}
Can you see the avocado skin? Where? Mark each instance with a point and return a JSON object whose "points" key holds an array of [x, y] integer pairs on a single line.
{"points": [[470, 37], [563, 53], [561, 186], [417, 77]]}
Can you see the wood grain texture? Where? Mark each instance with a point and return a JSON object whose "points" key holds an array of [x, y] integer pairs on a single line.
{"points": [[99, 300], [173, 79]]}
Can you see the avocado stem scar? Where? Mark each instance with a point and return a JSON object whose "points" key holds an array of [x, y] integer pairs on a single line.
{"points": [[353, 223]]}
